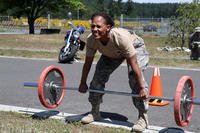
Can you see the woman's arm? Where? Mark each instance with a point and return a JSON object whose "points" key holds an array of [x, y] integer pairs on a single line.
{"points": [[135, 67], [85, 71]]}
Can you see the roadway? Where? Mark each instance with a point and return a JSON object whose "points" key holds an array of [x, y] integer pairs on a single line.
{"points": [[15, 71]]}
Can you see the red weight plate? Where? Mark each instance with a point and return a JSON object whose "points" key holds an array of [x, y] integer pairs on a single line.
{"points": [[48, 98], [182, 108]]}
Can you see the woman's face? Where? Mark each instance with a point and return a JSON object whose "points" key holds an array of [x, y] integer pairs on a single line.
{"points": [[99, 28]]}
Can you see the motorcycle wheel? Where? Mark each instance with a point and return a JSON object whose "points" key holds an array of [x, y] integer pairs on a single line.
{"points": [[82, 45], [62, 58], [194, 55]]}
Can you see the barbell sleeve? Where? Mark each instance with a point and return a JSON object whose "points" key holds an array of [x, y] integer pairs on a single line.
{"points": [[195, 101], [29, 84]]}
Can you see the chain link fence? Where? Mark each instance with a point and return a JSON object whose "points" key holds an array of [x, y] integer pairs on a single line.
{"points": [[143, 25], [8, 24]]}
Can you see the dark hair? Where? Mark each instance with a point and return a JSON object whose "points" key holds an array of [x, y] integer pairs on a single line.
{"points": [[108, 19]]}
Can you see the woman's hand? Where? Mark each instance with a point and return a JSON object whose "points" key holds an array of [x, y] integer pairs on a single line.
{"points": [[143, 94], [83, 88]]}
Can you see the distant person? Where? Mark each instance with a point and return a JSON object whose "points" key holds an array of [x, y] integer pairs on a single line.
{"points": [[194, 43], [115, 46]]}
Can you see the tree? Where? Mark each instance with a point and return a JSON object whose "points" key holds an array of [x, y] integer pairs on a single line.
{"points": [[34, 9], [115, 8], [196, 1], [75, 5], [128, 7], [184, 24], [100, 5]]}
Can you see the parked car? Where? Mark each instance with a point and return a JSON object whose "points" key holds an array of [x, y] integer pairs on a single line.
{"points": [[148, 28]]}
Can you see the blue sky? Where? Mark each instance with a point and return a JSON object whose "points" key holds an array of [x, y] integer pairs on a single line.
{"points": [[161, 1]]}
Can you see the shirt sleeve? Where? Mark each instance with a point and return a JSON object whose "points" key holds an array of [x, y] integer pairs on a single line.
{"points": [[90, 47], [126, 45]]}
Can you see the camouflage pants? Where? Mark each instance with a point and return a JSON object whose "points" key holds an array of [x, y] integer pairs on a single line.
{"points": [[104, 68]]}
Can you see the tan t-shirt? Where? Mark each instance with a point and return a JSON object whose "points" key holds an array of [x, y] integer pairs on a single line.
{"points": [[120, 44]]}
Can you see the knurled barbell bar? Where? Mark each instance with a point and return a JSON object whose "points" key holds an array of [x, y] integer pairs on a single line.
{"points": [[52, 88]]}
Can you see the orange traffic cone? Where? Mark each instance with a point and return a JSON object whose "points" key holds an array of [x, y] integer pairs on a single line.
{"points": [[156, 89]]}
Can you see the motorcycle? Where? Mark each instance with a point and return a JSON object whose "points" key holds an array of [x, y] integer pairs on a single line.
{"points": [[72, 45], [195, 50]]}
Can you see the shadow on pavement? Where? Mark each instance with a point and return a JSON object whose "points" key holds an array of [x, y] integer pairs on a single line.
{"points": [[172, 130], [45, 114]]}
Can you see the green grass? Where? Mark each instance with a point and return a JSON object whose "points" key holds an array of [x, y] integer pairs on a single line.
{"points": [[48, 46], [28, 54], [11, 122]]}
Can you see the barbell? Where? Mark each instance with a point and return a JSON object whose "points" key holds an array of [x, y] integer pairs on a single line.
{"points": [[52, 88]]}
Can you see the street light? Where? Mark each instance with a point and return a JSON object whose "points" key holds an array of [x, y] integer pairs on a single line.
{"points": [[69, 15]]}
